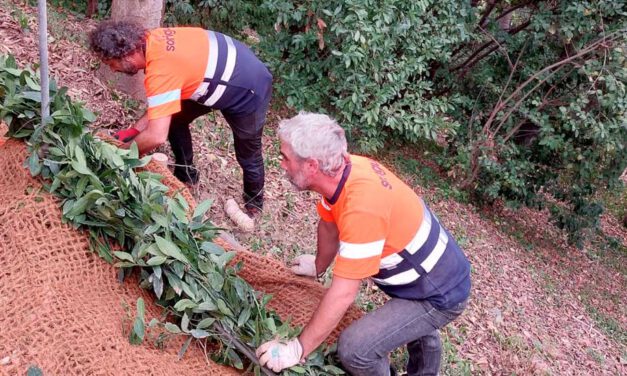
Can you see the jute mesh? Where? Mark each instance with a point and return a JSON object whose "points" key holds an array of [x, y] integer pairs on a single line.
{"points": [[62, 307]]}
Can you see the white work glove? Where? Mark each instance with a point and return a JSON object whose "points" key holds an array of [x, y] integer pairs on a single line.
{"points": [[278, 355], [304, 265]]}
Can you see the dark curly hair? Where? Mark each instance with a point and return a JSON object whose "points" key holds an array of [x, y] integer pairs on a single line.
{"points": [[117, 39]]}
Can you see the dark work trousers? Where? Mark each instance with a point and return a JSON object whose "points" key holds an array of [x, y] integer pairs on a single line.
{"points": [[364, 346], [247, 131]]}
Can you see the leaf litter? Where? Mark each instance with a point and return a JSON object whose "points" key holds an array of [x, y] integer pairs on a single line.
{"points": [[532, 311]]}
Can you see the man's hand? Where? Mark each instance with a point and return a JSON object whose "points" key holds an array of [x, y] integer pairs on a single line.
{"points": [[278, 355], [304, 265], [126, 135]]}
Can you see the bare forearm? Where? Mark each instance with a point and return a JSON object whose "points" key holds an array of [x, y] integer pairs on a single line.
{"points": [[328, 243], [146, 142], [153, 135], [328, 314], [142, 123]]}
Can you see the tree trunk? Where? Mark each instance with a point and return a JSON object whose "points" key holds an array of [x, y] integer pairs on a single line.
{"points": [[148, 13], [92, 8]]}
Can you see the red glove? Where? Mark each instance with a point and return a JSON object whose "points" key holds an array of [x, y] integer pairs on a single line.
{"points": [[126, 135]]}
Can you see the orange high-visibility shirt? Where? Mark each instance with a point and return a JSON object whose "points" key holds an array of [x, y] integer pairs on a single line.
{"points": [[377, 215], [175, 65]]}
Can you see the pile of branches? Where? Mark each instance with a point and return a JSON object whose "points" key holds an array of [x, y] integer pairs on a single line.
{"points": [[137, 223]]}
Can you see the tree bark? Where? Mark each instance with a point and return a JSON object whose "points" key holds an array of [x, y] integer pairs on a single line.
{"points": [[92, 8], [148, 13]]}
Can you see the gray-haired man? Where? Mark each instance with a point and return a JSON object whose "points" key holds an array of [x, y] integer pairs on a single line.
{"points": [[374, 226]]}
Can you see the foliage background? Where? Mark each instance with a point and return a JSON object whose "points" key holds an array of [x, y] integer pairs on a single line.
{"points": [[524, 101]]}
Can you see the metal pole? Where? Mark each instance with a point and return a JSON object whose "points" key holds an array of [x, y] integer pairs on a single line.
{"points": [[43, 60]]}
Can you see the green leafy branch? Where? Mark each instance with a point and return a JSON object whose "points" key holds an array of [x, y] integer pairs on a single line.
{"points": [[136, 222]]}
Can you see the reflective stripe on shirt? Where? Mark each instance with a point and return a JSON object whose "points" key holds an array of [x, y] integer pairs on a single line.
{"points": [[210, 71], [397, 270], [163, 98], [361, 251]]}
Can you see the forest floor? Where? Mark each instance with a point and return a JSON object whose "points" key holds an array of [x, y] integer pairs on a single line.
{"points": [[538, 305]]}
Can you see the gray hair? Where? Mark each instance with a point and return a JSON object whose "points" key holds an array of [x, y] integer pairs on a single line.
{"points": [[318, 137]]}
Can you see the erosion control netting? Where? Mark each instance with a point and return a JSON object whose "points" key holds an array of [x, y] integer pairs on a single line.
{"points": [[63, 307]]}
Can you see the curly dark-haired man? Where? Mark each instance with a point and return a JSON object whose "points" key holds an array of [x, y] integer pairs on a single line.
{"points": [[190, 71]]}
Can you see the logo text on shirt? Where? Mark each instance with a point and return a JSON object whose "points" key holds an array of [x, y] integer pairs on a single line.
{"points": [[169, 40], [379, 171]]}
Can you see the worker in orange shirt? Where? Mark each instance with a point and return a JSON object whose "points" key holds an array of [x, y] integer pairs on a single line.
{"points": [[189, 72], [374, 226]]}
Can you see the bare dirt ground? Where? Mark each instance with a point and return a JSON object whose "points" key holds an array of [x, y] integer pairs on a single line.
{"points": [[539, 306]]}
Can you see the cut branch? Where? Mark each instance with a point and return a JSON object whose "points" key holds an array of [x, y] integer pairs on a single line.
{"points": [[247, 351]]}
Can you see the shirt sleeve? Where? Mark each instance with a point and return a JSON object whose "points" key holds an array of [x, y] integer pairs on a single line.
{"points": [[362, 238], [163, 93], [324, 211]]}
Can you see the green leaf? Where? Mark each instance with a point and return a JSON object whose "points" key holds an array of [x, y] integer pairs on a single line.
{"points": [[154, 250], [184, 347], [172, 328], [80, 156], [157, 286], [156, 260], [158, 272], [124, 256], [185, 323], [216, 281], [34, 96], [271, 325], [34, 165], [178, 211], [133, 151], [32, 84], [139, 328], [141, 309], [198, 333], [81, 185], [298, 369], [334, 370], [205, 323], [212, 248], [151, 229], [181, 200], [175, 282], [206, 306], [111, 153], [182, 237], [34, 371], [225, 259], [159, 219], [202, 208], [204, 266], [236, 361], [184, 304], [243, 317], [88, 115], [77, 207], [223, 308], [80, 168], [188, 290], [170, 249]]}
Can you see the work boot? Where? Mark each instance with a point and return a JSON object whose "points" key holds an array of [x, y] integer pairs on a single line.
{"points": [[253, 205], [186, 174]]}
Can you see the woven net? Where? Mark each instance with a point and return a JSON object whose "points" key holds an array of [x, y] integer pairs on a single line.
{"points": [[63, 307]]}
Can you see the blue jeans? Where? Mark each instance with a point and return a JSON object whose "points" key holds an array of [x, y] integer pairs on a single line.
{"points": [[364, 346]]}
